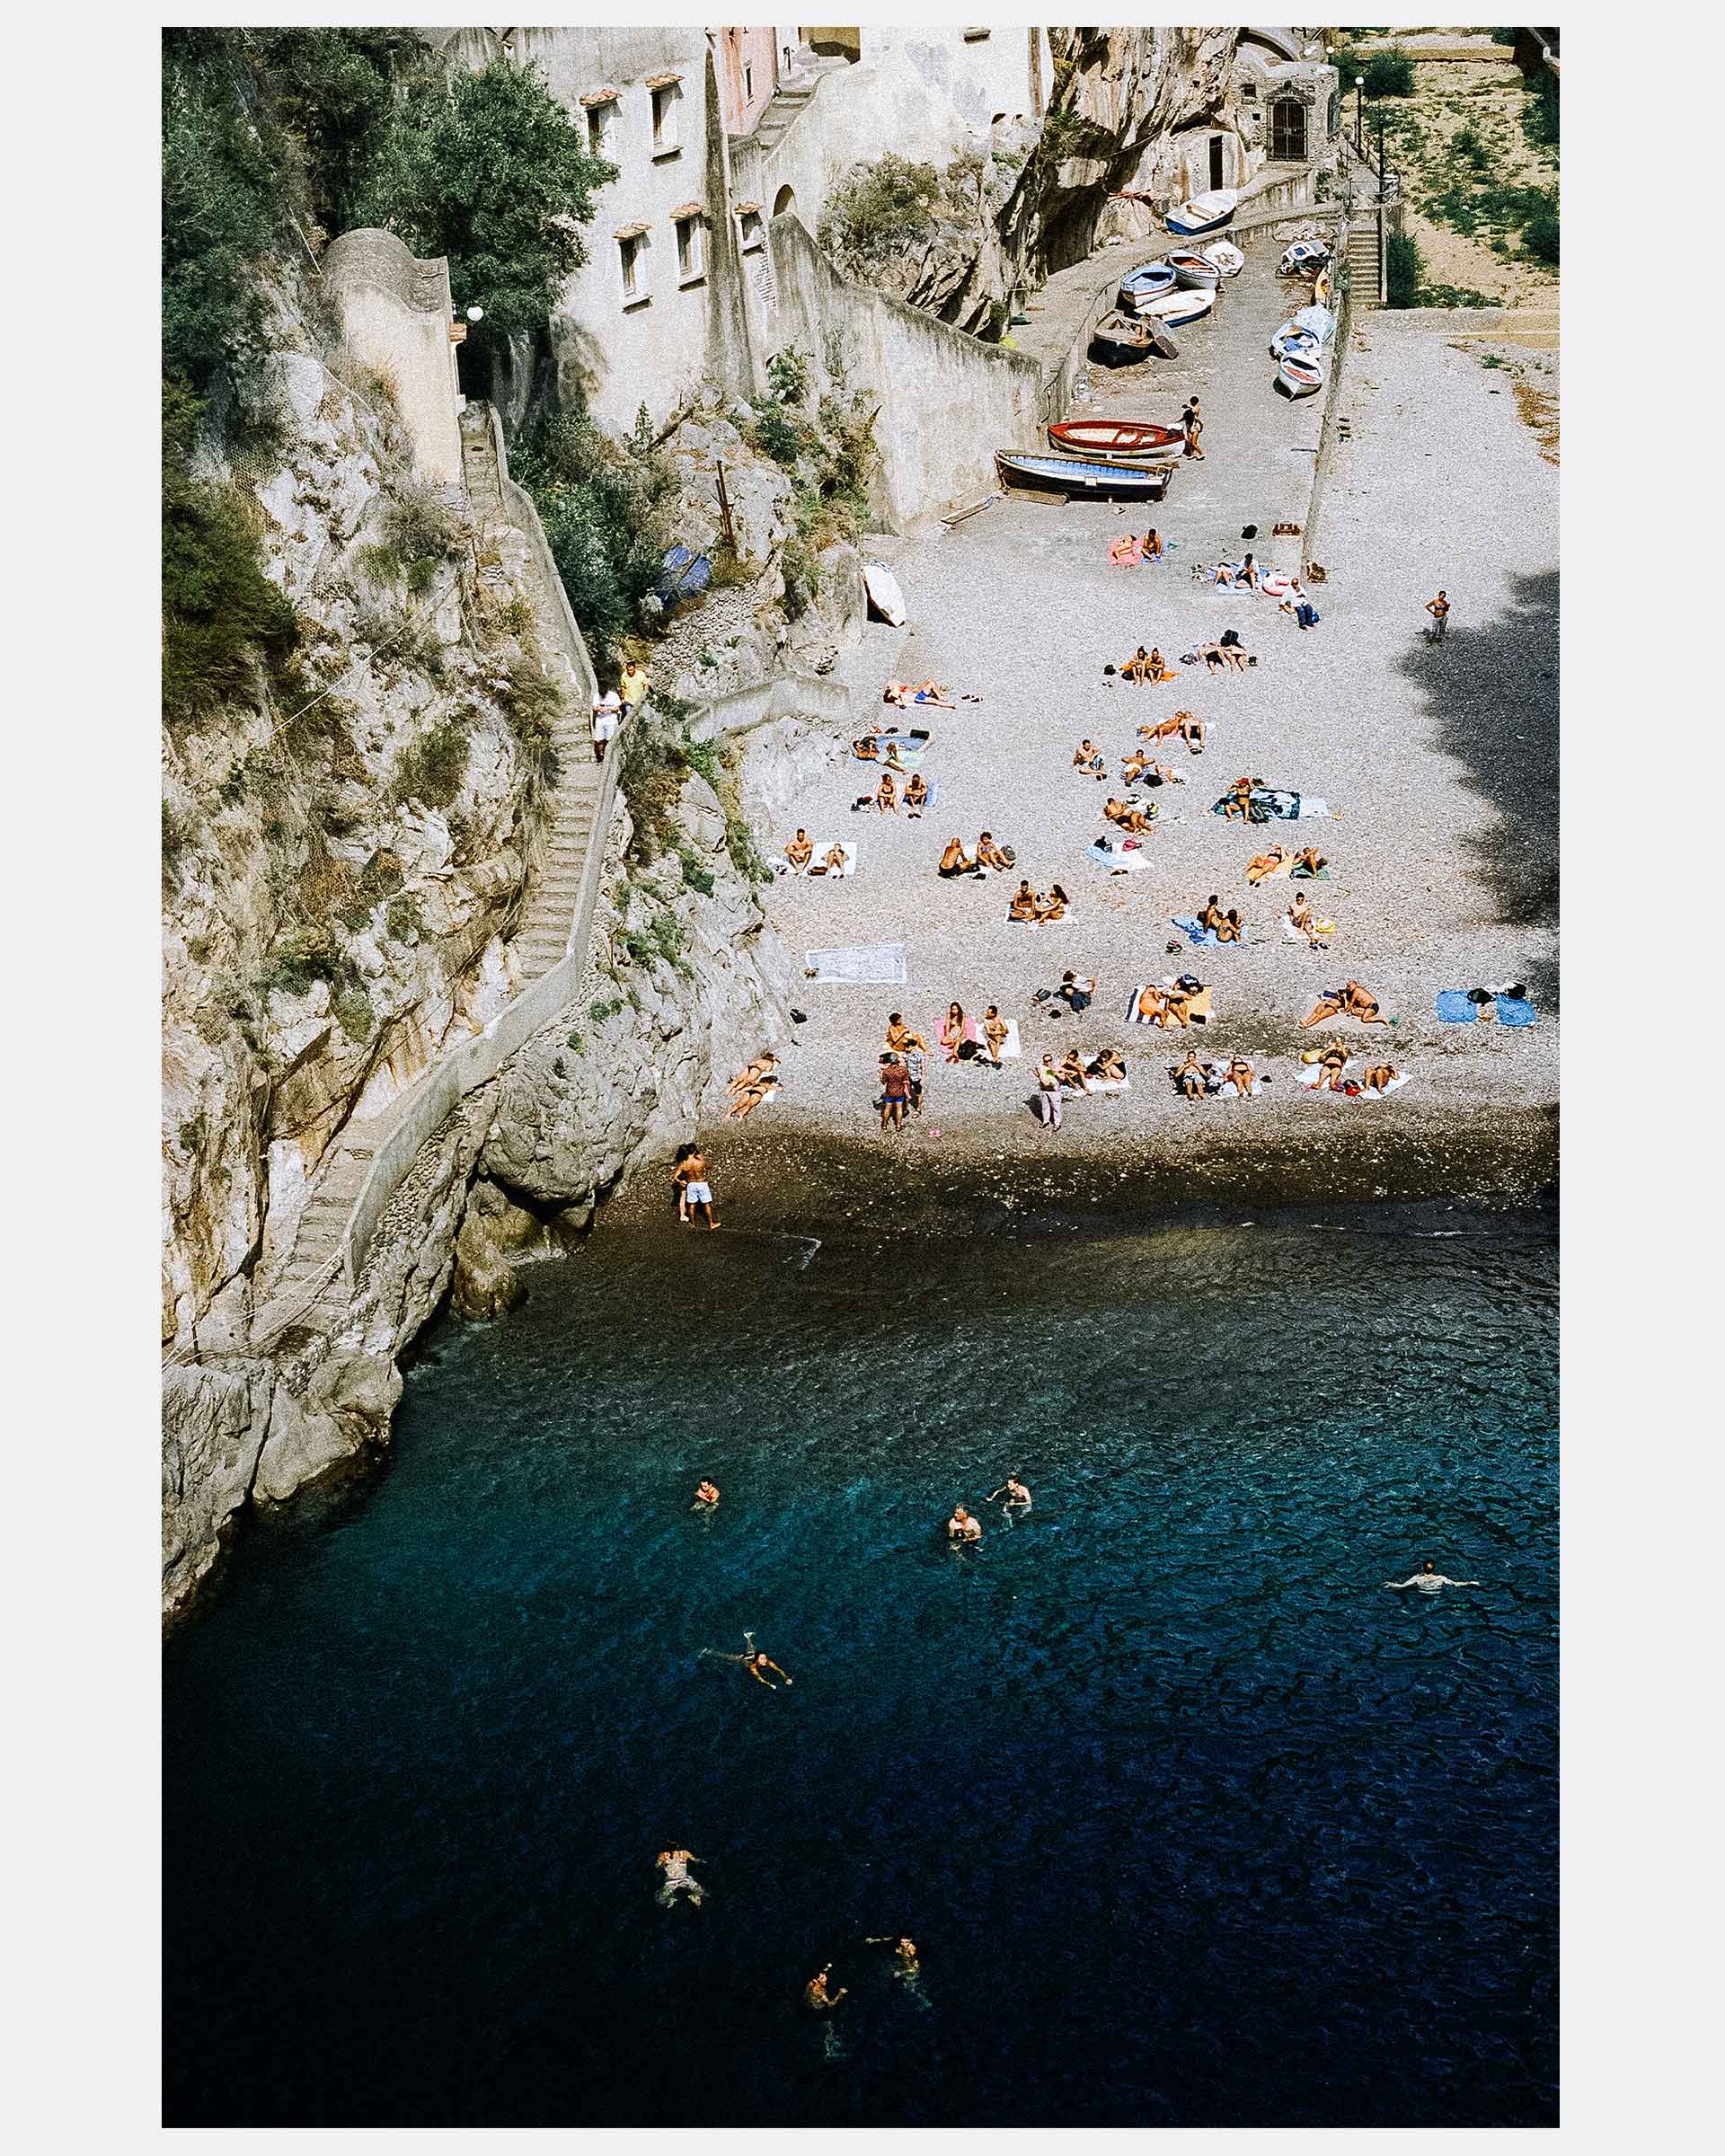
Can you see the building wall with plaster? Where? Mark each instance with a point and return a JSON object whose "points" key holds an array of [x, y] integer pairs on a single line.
{"points": [[396, 320]]}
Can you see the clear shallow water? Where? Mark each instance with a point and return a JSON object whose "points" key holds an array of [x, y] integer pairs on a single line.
{"points": [[1194, 1823]]}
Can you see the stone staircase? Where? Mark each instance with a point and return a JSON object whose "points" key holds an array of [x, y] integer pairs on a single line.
{"points": [[782, 109], [1366, 264], [542, 936]]}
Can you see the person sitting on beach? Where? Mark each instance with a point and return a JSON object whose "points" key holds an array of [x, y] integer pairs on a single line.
{"points": [[1189, 1076], [1224, 574], [1271, 863], [889, 752], [1076, 992], [1137, 667], [1054, 906], [674, 1864], [1304, 923], [1308, 861], [1130, 816], [1331, 1064], [957, 1033], [1237, 800], [1023, 906], [901, 1038], [1151, 546], [1248, 574], [917, 794], [1241, 1074], [1230, 928], [800, 851], [867, 750], [1379, 1078], [706, 1495], [962, 1527], [995, 1034], [1349, 1001], [1107, 1065], [955, 861], [1070, 1071], [832, 863], [1159, 669], [992, 856], [1212, 914], [886, 796], [1086, 757]]}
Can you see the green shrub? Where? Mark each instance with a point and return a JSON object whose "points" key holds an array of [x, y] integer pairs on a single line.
{"points": [[788, 375], [696, 874], [775, 433], [402, 919], [878, 209], [433, 768], [606, 515], [1467, 143], [531, 701], [603, 1007], [1402, 270], [1387, 74], [221, 614], [1539, 114], [1539, 236], [353, 1011]]}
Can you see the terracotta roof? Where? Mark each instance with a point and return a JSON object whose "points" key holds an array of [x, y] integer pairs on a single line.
{"points": [[630, 232], [689, 210], [662, 82], [748, 209], [598, 97]]}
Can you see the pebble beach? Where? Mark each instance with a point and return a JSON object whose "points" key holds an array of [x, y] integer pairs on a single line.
{"points": [[1438, 766]]}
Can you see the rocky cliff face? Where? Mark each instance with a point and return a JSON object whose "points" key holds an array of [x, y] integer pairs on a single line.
{"points": [[1006, 221]]}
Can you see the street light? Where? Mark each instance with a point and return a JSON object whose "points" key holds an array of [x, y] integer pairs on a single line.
{"points": [[1359, 114]]}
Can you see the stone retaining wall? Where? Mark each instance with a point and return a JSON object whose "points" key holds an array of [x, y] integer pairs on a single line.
{"points": [[396, 317]]}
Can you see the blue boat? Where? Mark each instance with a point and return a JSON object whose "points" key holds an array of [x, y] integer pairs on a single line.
{"points": [[1080, 475], [1146, 283], [1203, 213]]}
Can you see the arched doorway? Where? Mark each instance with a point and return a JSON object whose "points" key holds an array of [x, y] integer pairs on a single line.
{"points": [[786, 198]]}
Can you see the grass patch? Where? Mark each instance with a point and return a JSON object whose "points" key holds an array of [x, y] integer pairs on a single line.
{"points": [[433, 767]]}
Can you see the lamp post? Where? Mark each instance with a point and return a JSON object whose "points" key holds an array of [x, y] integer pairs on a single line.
{"points": [[1359, 114], [1380, 149]]}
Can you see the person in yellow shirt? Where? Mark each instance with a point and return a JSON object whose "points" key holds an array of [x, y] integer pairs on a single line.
{"points": [[634, 687]]}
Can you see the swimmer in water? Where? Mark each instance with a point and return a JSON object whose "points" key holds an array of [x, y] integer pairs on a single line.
{"points": [[904, 1952], [1015, 1492], [1428, 1579], [706, 1495], [962, 1527], [818, 1994], [755, 1662], [674, 1864]]}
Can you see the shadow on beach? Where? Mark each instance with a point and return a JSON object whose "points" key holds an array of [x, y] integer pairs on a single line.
{"points": [[1493, 694]]}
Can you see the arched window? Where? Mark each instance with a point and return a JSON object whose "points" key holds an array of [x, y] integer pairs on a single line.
{"points": [[1288, 131], [784, 199]]}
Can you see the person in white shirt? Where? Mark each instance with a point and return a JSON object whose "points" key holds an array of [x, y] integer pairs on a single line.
{"points": [[605, 712]]}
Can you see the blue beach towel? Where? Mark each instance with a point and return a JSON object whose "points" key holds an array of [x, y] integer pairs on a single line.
{"points": [[1515, 1011], [1454, 1008], [1188, 923]]}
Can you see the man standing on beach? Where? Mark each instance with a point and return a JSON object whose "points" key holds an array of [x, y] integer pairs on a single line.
{"points": [[692, 1173], [1192, 425], [1438, 609]]}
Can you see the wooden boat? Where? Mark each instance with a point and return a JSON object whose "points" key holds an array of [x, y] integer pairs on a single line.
{"points": [[1207, 212], [1299, 377], [1226, 257], [1192, 272], [1316, 321], [1119, 441], [1291, 338], [1123, 340], [1080, 475], [1178, 306], [1145, 283]]}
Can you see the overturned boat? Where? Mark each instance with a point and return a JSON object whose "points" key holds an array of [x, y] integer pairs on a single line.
{"points": [[1124, 340], [1119, 441], [1207, 212], [1227, 257], [1080, 475], [1303, 255]]}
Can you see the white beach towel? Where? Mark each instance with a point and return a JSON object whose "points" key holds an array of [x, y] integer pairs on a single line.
{"points": [[882, 963], [1099, 1085], [1311, 805], [824, 846], [1231, 1091], [1310, 1072], [1130, 1016], [1117, 857]]}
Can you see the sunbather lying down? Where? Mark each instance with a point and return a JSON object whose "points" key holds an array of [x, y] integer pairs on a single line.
{"points": [[1137, 765], [1184, 726], [752, 1085], [1349, 1001], [1229, 651], [1169, 1006], [1334, 1060], [1271, 863], [1130, 816], [906, 692]]}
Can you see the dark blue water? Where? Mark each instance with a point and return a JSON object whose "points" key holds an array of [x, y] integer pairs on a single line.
{"points": [[1192, 1822]]}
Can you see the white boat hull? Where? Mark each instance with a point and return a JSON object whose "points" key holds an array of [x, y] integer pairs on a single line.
{"points": [[1299, 379]]}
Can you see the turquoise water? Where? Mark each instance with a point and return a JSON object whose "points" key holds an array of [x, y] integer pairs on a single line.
{"points": [[1193, 1822]]}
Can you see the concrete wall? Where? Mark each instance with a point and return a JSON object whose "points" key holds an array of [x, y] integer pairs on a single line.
{"points": [[946, 401], [748, 63], [395, 318]]}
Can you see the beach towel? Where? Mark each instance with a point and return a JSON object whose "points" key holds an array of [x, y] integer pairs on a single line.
{"points": [[1298, 935], [1202, 1009], [823, 847], [911, 752], [1300, 873], [1097, 1085], [1454, 1008], [1117, 857], [1282, 803], [1188, 925], [1229, 1091], [1311, 1074], [857, 962], [1515, 1011], [1008, 1047], [1457, 1007]]}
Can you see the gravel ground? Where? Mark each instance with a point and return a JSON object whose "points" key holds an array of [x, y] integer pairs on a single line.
{"points": [[1440, 766]]}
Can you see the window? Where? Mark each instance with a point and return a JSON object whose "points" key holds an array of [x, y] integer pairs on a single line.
{"points": [[601, 108], [665, 102], [632, 259], [753, 233], [1288, 131], [691, 244], [975, 35], [749, 83]]}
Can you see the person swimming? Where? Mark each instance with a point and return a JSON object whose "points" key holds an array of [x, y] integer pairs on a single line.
{"points": [[818, 1994], [1428, 1579], [674, 1864], [1015, 1492], [962, 1527], [706, 1495], [754, 1661]]}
